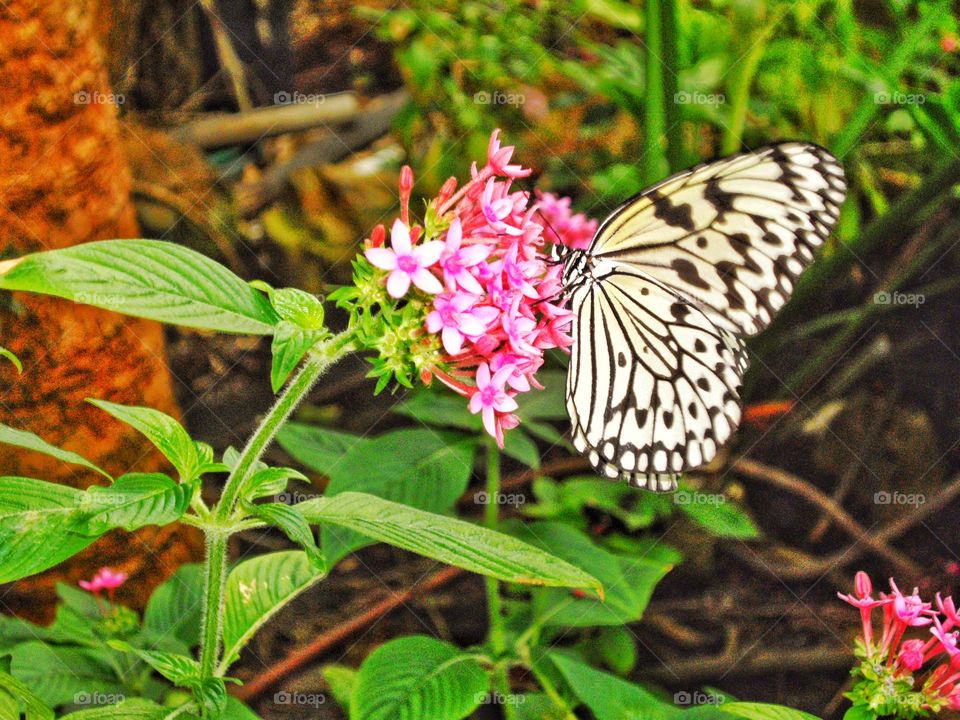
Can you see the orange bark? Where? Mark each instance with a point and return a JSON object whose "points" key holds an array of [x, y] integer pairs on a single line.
{"points": [[64, 181]]}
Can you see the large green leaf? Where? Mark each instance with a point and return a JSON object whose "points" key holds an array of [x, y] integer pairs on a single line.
{"points": [[169, 436], [43, 524], [416, 678], [132, 709], [176, 607], [29, 441], [716, 513], [60, 675], [18, 695], [446, 539], [147, 278], [763, 711], [256, 590], [422, 468], [609, 697], [628, 582]]}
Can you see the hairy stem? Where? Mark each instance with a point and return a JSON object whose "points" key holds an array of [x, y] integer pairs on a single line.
{"points": [[215, 566]]}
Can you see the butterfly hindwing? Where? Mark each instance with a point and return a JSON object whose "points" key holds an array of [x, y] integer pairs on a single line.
{"points": [[672, 282], [652, 388]]}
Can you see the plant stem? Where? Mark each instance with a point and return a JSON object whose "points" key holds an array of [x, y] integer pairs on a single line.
{"points": [[316, 364], [216, 576], [498, 642], [225, 524], [654, 119]]}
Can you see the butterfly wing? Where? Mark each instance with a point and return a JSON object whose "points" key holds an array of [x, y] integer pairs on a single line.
{"points": [[734, 234], [676, 277], [652, 388]]}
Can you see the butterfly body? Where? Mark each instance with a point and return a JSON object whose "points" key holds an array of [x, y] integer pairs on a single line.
{"points": [[665, 294]]}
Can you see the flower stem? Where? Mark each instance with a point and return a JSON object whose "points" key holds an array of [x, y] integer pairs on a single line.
{"points": [[498, 642], [317, 363], [224, 521], [215, 579]]}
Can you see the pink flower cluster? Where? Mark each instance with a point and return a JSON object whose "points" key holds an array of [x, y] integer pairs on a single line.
{"points": [[906, 656], [562, 225], [104, 579], [480, 261]]}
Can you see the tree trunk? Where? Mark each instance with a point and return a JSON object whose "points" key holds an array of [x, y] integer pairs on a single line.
{"points": [[64, 181]]}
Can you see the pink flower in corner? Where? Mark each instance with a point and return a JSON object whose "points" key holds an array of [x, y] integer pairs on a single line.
{"points": [[104, 579], [407, 263], [491, 398], [455, 318], [456, 261], [498, 159]]}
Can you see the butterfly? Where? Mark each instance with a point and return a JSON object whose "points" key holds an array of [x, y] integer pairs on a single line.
{"points": [[672, 283]]}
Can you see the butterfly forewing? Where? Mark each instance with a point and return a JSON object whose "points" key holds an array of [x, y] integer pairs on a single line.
{"points": [[734, 234], [672, 282]]}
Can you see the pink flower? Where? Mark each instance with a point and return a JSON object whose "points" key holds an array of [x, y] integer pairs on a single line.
{"points": [[947, 640], [491, 398], [104, 579], [911, 655], [456, 261], [456, 318], [563, 227], [910, 609], [407, 263], [498, 159], [497, 209]]}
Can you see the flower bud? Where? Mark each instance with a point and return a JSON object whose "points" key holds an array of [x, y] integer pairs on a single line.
{"points": [[911, 655], [862, 585]]}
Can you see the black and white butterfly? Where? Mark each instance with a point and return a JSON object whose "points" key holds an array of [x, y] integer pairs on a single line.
{"points": [[671, 284]]}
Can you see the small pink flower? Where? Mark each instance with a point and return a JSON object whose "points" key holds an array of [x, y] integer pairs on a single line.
{"points": [[491, 398], [497, 209], [910, 656], [407, 263], [910, 609], [104, 579], [456, 318], [947, 640], [498, 159], [456, 261]]}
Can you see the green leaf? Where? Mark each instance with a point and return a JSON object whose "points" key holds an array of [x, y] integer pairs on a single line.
{"points": [[43, 524], [147, 278], [446, 539], [609, 697], [294, 305], [763, 711], [131, 709], [133, 501], [29, 441], [267, 482], [61, 675], [628, 582], [415, 678], [236, 710], [522, 449], [36, 530], [256, 590], [342, 680], [439, 408], [290, 344], [617, 648], [12, 358], [164, 432], [22, 696], [419, 467], [176, 607], [716, 513], [293, 525]]}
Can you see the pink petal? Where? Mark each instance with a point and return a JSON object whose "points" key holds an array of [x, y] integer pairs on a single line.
{"points": [[483, 376], [505, 403], [429, 253], [382, 258], [468, 282], [500, 378], [476, 402], [470, 325], [426, 281], [452, 340], [400, 237], [490, 420], [398, 283], [434, 322], [454, 235], [470, 256]]}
